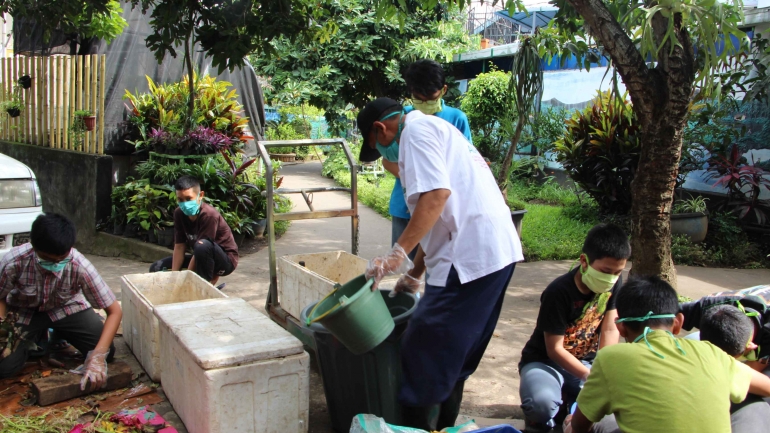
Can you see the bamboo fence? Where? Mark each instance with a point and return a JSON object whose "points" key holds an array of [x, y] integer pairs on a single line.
{"points": [[60, 86]]}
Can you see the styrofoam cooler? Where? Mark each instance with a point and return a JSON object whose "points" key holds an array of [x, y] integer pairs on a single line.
{"points": [[141, 293], [300, 286], [227, 368]]}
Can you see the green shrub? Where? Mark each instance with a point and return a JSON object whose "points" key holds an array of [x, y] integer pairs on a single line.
{"points": [[376, 196], [600, 151], [484, 103]]}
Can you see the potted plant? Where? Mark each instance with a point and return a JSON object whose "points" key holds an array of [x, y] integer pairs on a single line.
{"points": [[690, 217], [240, 226], [13, 106], [283, 154], [87, 118], [517, 213], [25, 81]]}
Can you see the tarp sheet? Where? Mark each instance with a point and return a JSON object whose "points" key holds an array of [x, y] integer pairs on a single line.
{"points": [[129, 60]]}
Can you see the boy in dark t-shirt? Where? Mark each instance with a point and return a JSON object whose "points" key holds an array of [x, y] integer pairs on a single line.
{"points": [[576, 309], [201, 228]]}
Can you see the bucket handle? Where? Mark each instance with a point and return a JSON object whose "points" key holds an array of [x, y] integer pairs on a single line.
{"points": [[337, 286]]}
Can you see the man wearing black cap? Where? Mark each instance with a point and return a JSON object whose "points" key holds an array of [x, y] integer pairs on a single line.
{"points": [[470, 247]]}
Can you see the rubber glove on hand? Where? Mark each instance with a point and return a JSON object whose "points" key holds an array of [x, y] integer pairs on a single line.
{"points": [[408, 284], [395, 262], [94, 369]]}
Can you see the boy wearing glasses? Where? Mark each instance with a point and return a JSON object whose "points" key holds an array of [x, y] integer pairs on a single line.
{"points": [[49, 284]]}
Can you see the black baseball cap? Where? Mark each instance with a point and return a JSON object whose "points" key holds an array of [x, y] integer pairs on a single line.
{"points": [[366, 118]]}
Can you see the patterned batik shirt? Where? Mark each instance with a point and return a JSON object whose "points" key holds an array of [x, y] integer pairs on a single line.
{"points": [[28, 288]]}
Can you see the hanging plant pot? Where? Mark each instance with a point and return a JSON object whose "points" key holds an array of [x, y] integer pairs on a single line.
{"points": [[89, 122], [25, 81], [13, 112]]}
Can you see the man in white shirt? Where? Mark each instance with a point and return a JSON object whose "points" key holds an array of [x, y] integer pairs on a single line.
{"points": [[469, 247]]}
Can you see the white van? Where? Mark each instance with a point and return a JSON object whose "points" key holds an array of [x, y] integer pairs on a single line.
{"points": [[20, 203]]}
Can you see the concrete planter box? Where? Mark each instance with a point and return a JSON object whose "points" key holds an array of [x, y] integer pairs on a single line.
{"points": [[141, 294], [229, 368], [299, 286], [694, 225]]}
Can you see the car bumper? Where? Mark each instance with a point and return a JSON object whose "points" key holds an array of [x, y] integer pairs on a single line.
{"points": [[15, 222]]}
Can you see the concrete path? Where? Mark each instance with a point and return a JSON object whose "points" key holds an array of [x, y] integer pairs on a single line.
{"points": [[490, 393]]}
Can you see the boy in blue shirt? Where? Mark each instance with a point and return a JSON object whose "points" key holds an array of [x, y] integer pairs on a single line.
{"points": [[426, 82]]}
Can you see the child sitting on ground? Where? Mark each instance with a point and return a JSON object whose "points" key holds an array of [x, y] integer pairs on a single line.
{"points": [[753, 302], [730, 329], [659, 383], [575, 309]]}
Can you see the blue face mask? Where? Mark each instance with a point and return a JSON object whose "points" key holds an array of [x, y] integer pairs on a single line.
{"points": [[390, 152], [53, 266], [190, 207]]}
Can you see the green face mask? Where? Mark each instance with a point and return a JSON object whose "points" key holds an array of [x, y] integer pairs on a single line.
{"points": [[597, 282], [428, 107], [390, 152], [648, 330]]}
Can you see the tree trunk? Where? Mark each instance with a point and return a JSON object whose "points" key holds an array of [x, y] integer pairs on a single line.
{"points": [[653, 193], [502, 176], [191, 84]]}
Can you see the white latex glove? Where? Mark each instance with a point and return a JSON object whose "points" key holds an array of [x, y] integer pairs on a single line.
{"points": [[395, 262], [94, 369], [408, 284]]}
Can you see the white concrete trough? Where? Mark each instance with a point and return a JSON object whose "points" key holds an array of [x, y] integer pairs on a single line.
{"points": [[229, 368], [300, 286], [141, 293]]}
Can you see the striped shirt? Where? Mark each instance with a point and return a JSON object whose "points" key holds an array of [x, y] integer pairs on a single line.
{"points": [[28, 288]]}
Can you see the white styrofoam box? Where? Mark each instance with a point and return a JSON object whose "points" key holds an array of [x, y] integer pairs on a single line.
{"points": [[300, 286], [227, 368], [140, 294]]}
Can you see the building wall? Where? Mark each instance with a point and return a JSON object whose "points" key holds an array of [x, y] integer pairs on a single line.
{"points": [[74, 184]]}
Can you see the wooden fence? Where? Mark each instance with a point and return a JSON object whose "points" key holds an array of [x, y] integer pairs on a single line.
{"points": [[60, 86]]}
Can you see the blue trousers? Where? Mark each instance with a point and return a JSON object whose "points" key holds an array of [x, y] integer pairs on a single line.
{"points": [[544, 388], [448, 334]]}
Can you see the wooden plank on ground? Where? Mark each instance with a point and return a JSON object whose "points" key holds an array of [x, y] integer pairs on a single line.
{"points": [[53, 389]]}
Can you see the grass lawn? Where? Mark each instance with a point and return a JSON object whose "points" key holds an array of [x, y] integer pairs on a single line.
{"points": [[553, 229], [548, 234]]}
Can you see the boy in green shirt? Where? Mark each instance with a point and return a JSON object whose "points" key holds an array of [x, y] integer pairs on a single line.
{"points": [[659, 382]]}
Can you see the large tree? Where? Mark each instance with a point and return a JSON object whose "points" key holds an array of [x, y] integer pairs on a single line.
{"points": [[80, 20], [226, 30], [652, 45], [361, 58]]}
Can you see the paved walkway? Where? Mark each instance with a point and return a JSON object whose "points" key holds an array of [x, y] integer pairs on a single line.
{"points": [[493, 391]]}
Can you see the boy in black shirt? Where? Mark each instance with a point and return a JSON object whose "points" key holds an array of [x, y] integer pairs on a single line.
{"points": [[575, 310]]}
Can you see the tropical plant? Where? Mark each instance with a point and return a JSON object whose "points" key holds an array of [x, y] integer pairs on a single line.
{"points": [[600, 151], [744, 183], [238, 194], [546, 127], [485, 104], [691, 205], [239, 224], [159, 122], [12, 105], [525, 84], [149, 206]]}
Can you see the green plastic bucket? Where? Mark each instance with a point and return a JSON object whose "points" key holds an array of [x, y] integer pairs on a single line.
{"points": [[355, 314]]}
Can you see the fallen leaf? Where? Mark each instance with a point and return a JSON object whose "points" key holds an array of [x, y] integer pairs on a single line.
{"points": [[45, 373]]}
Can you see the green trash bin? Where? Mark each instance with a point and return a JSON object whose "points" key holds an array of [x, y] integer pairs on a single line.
{"points": [[366, 383]]}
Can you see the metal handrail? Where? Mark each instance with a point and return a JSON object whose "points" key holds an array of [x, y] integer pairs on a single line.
{"points": [[273, 305]]}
